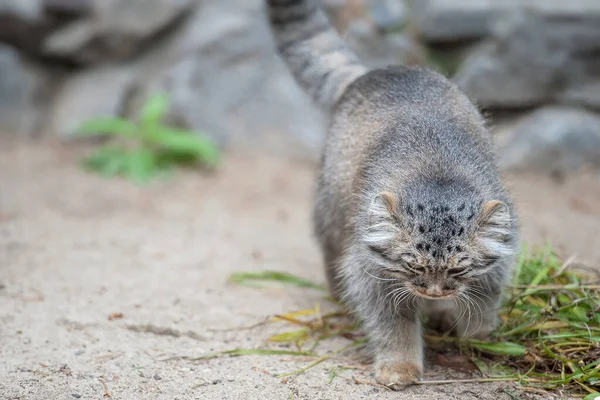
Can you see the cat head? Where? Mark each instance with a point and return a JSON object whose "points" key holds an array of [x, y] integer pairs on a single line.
{"points": [[439, 246]]}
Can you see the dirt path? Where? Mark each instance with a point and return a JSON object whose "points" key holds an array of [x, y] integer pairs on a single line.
{"points": [[75, 249]]}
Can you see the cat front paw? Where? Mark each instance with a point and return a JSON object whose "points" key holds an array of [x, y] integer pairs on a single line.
{"points": [[396, 375]]}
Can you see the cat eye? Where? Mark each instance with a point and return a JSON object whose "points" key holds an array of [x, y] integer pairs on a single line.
{"points": [[408, 258], [461, 267], [455, 271], [415, 268], [381, 252], [411, 263]]}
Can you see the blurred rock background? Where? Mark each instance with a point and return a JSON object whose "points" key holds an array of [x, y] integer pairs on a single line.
{"points": [[532, 65]]}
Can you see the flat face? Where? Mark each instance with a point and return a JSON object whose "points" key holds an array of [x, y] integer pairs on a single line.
{"points": [[438, 238]]}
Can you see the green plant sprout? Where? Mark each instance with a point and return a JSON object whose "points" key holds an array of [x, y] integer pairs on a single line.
{"points": [[144, 150]]}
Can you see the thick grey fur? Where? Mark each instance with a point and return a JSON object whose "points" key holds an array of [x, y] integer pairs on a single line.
{"points": [[410, 205]]}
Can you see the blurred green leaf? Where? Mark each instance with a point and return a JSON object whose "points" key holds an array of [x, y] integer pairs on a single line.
{"points": [[107, 161], [107, 127], [184, 142], [153, 111], [141, 166]]}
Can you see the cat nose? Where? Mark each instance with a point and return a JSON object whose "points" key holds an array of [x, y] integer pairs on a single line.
{"points": [[434, 291]]}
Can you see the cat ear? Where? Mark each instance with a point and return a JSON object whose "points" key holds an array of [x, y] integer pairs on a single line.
{"points": [[383, 219], [494, 226], [384, 208]]}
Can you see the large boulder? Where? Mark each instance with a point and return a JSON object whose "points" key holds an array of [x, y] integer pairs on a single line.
{"points": [[455, 20], [554, 139], [95, 92], [25, 24], [116, 30], [26, 10], [388, 14], [518, 67], [21, 22], [532, 59], [21, 92]]}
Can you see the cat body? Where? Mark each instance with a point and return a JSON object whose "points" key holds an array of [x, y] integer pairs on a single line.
{"points": [[410, 213]]}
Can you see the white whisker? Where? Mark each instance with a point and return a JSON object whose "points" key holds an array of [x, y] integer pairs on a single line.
{"points": [[378, 278], [462, 313], [394, 293], [401, 297], [395, 290]]}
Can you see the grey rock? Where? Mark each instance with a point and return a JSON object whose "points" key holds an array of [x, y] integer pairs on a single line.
{"points": [[517, 68], [97, 92], [21, 87], [532, 59], [116, 30], [24, 10], [554, 139], [23, 23], [448, 20], [69, 40], [26, 24], [388, 14], [584, 92], [71, 8], [333, 3], [581, 79], [451, 20]]}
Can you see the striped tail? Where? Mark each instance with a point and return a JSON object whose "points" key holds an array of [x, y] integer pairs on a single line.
{"points": [[317, 56]]}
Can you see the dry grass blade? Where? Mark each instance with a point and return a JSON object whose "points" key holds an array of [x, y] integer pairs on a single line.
{"points": [[256, 352], [244, 352]]}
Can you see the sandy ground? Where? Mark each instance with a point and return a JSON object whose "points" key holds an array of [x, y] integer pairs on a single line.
{"points": [[75, 248]]}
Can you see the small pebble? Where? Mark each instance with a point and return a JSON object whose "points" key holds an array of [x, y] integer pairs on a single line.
{"points": [[115, 315], [157, 378], [79, 352], [76, 395]]}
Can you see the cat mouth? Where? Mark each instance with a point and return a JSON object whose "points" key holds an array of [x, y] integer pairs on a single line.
{"points": [[435, 296]]}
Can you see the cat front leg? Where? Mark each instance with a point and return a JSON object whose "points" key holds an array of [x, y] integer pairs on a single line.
{"points": [[398, 349]]}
